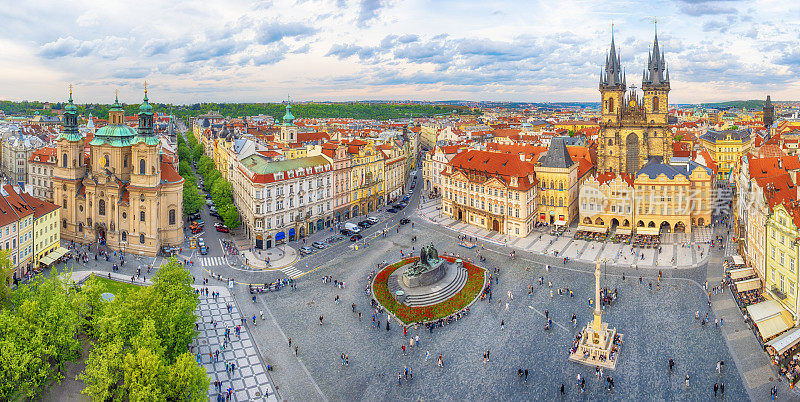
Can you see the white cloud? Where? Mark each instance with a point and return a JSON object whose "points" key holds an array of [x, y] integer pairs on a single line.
{"points": [[360, 49]]}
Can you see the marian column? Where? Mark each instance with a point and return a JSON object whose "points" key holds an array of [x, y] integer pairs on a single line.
{"points": [[597, 326]]}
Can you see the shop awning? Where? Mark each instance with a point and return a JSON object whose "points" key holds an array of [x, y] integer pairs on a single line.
{"points": [[58, 253], [738, 260], [764, 310], [623, 231], [595, 229], [47, 260], [741, 273], [647, 231], [771, 326], [748, 284], [561, 223], [785, 341]]}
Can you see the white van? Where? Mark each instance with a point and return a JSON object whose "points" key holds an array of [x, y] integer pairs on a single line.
{"points": [[352, 227], [373, 219]]}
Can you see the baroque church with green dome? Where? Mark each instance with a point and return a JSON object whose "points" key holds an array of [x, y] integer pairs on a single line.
{"points": [[114, 187]]}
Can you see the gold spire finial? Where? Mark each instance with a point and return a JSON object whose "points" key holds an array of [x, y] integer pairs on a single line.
{"points": [[145, 87], [70, 90]]}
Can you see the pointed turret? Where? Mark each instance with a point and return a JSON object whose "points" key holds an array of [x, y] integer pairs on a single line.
{"points": [[69, 128], [145, 114], [612, 77], [655, 74]]}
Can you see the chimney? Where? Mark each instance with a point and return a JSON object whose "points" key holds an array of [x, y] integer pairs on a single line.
{"points": [[522, 156]]}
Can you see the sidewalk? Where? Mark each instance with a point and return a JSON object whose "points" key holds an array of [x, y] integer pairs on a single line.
{"points": [[279, 257], [540, 241], [757, 371]]}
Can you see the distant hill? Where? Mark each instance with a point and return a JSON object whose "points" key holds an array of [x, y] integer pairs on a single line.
{"points": [[356, 110], [738, 104]]}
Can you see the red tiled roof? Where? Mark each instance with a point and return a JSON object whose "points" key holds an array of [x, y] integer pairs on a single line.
{"points": [[169, 175], [20, 206], [40, 207], [499, 165], [44, 155]]}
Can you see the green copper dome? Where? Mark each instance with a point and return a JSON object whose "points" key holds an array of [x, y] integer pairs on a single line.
{"points": [[145, 107], [70, 107], [116, 105], [118, 135], [288, 118]]}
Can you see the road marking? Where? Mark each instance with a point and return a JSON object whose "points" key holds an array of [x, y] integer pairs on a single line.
{"points": [[213, 261], [542, 314], [292, 272]]}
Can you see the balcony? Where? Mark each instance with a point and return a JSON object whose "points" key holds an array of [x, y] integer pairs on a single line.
{"points": [[777, 292]]}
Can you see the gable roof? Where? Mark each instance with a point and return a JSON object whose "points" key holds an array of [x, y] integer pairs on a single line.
{"points": [[557, 155]]}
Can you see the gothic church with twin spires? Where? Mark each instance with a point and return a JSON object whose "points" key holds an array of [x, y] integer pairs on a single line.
{"points": [[634, 130]]}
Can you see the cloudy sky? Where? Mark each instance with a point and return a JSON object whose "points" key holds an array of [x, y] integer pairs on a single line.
{"points": [[256, 51]]}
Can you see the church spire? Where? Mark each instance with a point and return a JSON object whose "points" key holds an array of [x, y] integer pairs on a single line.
{"points": [[657, 72], [613, 72]]}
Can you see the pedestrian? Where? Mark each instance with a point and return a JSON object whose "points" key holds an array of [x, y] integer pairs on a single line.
{"points": [[290, 342], [687, 380], [562, 390], [441, 361], [320, 320], [427, 354], [716, 388], [502, 324], [295, 350], [722, 389]]}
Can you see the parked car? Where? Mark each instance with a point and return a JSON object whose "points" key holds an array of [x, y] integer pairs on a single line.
{"points": [[413, 185], [405, 221], [364, 224], [356, 237], [193, 216], [215, 214], [345, 232], [201, 242], [203, 250], [306, 250], [318, 245], [373, 219], [398, 206], [199, 221], [221, 228], [212, 210], [391, 210], [334, 239], [405, 199]]}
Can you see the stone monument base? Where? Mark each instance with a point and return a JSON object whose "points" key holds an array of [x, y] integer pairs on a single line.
{"points": [[426, 278], [595, 349]]}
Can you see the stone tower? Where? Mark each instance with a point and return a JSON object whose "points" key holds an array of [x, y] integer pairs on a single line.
{"points": [[769, 113], [634, 131]]}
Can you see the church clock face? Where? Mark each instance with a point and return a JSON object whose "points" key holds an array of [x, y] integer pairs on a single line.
{"points": [[632, 103]]}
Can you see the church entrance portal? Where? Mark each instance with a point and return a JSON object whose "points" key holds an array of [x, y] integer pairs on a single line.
{"points": [[632, 147]]}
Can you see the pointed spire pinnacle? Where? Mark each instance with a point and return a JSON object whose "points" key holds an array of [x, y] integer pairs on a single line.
{"points": [[70, 92], [116, 96], [145, 91]]}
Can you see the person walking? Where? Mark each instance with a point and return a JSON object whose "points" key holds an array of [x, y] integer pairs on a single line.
{"points": [[716, 388], [427, 354], [722, 389], [563, 392], [687, 380], [441, 361]]}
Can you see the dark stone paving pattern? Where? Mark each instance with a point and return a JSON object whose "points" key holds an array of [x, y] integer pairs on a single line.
{"points": [[657, 325]]}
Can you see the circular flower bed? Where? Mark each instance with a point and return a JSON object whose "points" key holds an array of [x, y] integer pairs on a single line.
{"points": [[476, 279]]}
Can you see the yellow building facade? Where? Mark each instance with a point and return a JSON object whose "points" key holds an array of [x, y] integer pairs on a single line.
{"points": [[492, 191], [782, 259], [726, 148], [366, 177]]}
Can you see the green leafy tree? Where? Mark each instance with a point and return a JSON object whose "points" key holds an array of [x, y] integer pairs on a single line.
{"points": [[198, 152], [205, 165], [230, 215], [192, 200], [186, 380], [212, 178], [185, 170], [38, 335], [103, 374], [222, 192], [184, 153]]}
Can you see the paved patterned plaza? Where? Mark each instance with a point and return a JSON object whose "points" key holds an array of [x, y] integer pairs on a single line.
{"points": [[657, 324], [249, 380]]}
